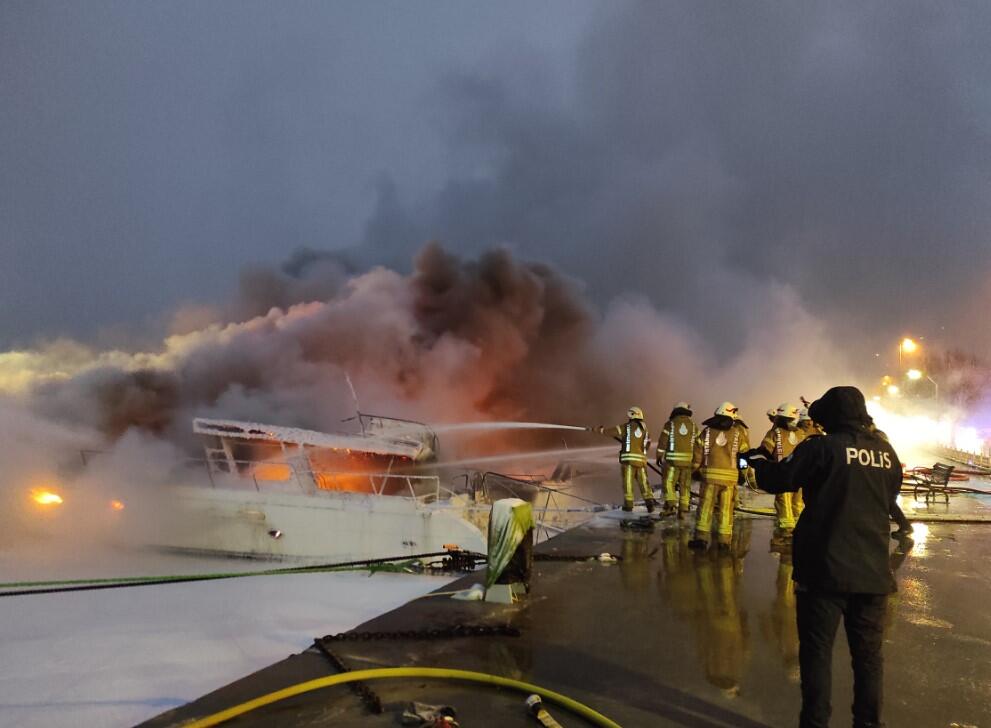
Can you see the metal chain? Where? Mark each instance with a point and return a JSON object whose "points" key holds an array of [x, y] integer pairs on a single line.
{"points": [[368, 697], [461, 630]]}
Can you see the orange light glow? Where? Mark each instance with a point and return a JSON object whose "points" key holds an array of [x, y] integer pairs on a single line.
{"points": [[117, 505], [45, 497], [272, 471], [909, 346]]}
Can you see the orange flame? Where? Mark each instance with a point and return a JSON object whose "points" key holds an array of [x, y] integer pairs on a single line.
{"points": [[272, 471]]}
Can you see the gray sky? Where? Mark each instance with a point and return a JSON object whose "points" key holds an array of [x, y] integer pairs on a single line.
{"points": [[150, 149], [688, 151]]}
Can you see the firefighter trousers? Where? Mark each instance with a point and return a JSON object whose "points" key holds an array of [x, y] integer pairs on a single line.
{"points": [[631, 472], [711, 496], [788, 507], [677, 478]]}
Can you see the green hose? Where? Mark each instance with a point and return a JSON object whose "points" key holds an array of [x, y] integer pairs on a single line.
{"points": [[344, 678]]}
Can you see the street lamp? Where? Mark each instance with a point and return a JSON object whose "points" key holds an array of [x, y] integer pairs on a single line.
{"points": [[914, 374], [906, 346]]}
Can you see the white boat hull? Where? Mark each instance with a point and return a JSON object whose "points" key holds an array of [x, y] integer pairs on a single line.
{"points": [[341, 526]]}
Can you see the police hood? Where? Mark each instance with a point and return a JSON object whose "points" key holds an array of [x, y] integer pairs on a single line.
{"points": [[719, 422], [840, 408]]}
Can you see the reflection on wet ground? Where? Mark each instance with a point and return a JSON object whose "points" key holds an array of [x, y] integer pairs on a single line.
{"points": [[673, 637]]}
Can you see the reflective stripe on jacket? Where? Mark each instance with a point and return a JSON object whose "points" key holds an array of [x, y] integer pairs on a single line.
{"points": [[780, 442], [715, 454], [677, 440], [634, 441]]}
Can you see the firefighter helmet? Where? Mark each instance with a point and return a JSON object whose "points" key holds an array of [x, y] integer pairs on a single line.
{"points": [[635, 413], [729, 409], [683, 405], [788, 411], [803, 414]]}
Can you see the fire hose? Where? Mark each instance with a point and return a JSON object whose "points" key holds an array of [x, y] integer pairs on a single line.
{"points": [[23, 588], [385, 673], [72, 585]]}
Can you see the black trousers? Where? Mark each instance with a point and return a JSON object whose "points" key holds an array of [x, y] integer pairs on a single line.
{"points": [[818, 618], [898, 516]]}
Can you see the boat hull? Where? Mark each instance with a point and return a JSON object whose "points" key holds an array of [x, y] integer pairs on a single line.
{"points": [[335, 525]]}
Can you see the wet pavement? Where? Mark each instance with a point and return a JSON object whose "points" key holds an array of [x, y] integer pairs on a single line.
{"points": [[666, 637]]}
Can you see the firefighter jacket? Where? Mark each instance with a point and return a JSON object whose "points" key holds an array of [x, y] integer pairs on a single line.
{"points": [[780, 440], [717, 449], [677, 441], [634, 441], [850, 478]]}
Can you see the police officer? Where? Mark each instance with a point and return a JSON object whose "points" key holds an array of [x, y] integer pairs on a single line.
{"points": [[778, 443], [851, 477], [634, 443], [674, 454], [722, 439]]}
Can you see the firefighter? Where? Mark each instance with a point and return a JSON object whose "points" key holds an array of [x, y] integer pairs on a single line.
{"points": [[722, 439], [778, 444], [634, 443], [674, 454], [842, 570], [806, 423]]}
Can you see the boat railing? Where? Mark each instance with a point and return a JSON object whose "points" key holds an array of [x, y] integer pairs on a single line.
{"points": [[284, 476], [269, 475], [555, 509]]}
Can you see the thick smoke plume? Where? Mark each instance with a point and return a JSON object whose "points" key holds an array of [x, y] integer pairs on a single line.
{"points": [[456, 339]]}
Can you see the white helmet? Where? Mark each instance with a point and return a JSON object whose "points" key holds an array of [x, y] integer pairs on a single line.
{"points": [[803, 414], [634, 413], [729, 409], [683, 405], [788, 411]]}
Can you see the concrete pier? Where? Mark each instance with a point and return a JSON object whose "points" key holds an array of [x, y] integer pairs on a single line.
{"points": [[665, 637]]}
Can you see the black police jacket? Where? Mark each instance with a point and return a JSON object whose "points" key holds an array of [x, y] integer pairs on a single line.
{"points": [[850, 479]]}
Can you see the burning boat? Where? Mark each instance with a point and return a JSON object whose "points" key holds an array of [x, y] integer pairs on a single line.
{"points": [[282, 492]]}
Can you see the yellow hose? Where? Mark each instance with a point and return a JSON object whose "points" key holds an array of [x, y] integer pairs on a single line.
{"points": [[393, 672]]}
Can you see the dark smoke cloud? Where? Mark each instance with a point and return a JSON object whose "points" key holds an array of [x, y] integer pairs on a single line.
{"points": [[711, 149], [491, 337]]}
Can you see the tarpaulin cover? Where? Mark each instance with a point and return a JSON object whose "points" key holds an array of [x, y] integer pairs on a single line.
{"points": [[511, 520]]}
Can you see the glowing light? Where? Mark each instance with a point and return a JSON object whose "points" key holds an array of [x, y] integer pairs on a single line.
{"points": [[45, 497], [920, 534], [968, 440], [913, 374], [908, 346], [914, 435], [272, 471], [117, 505], [893, 390]]}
